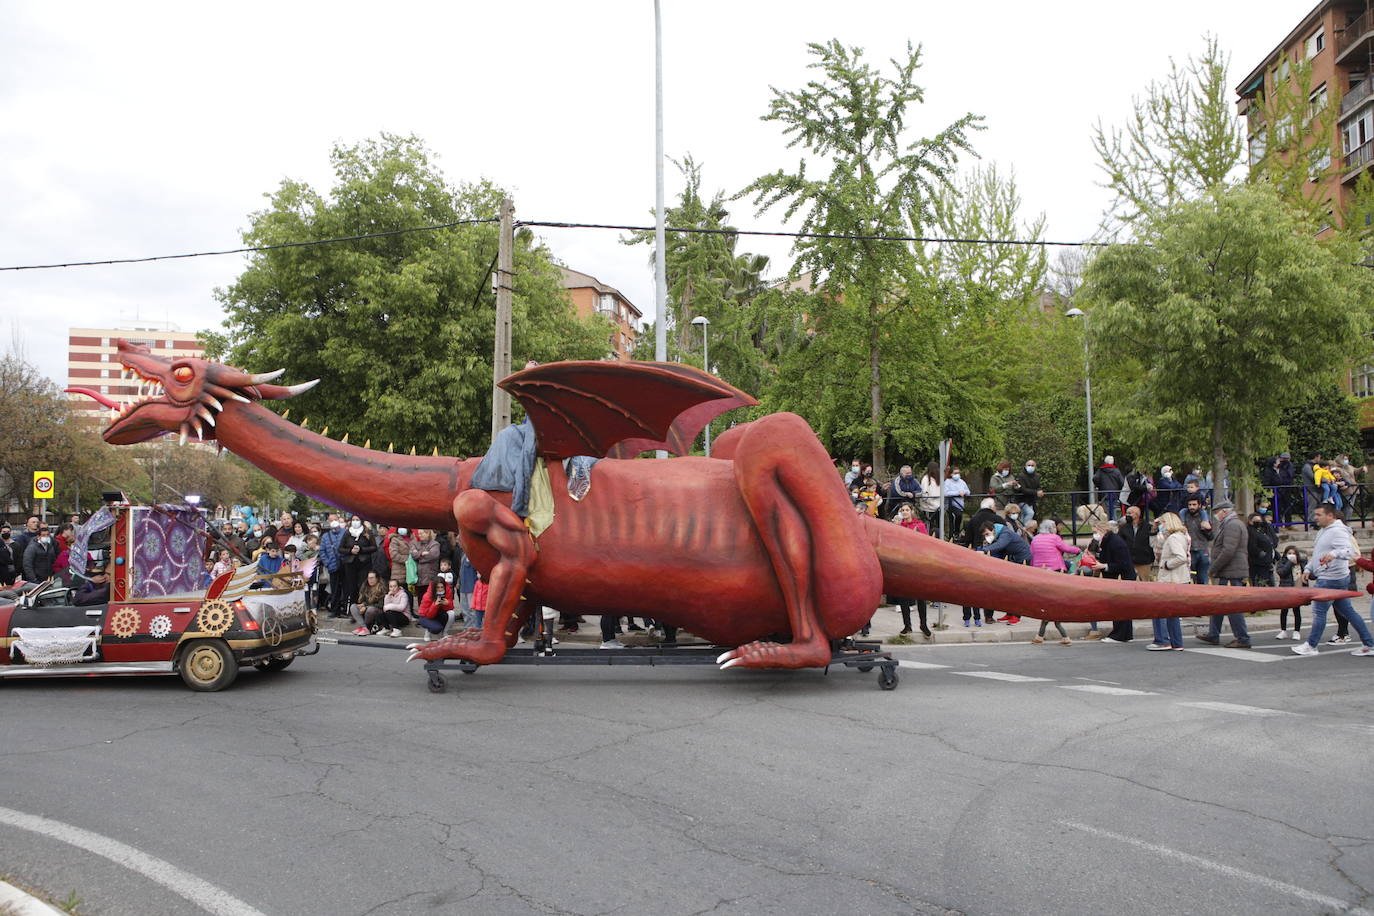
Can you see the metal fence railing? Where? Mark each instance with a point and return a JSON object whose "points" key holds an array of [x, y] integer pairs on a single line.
{"points": [[1288, 507]]}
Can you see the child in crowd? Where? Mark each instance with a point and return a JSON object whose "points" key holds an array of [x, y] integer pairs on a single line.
{"points": [[1290, 565], [478, 603]]}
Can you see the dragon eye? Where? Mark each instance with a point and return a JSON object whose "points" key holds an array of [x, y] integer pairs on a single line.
{"points": [[183, 373]]}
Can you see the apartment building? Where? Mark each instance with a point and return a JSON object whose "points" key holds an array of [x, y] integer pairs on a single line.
{"points": [[92, 363], [592, 297], [1336, 39]]}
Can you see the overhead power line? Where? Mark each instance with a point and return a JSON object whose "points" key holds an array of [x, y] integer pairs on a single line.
{"points": [[935, 240], [549, 224], [211, 254]]}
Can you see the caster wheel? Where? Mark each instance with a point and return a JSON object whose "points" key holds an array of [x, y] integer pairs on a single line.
{"points": [[887, 677], [436, 682]]}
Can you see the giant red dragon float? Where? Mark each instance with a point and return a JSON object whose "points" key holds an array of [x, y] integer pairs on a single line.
{"points": [[756, 547]]}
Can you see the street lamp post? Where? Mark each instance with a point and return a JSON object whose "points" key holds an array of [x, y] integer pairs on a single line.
{"points": [[705, 323], [1088, 396]]}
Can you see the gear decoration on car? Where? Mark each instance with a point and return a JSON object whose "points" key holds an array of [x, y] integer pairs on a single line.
{"points": [[215, 617], [160, 626], [272, 630], [125, 622]]}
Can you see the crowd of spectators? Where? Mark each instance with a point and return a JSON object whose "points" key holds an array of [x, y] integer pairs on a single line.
{"points": [[1149, 528]]}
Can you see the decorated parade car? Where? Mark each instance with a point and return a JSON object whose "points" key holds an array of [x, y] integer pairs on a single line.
{"points": [[143, 608]]}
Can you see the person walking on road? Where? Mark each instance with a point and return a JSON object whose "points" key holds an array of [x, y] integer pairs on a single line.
{"points": [[1330, 567], [1174, 559], [1230, 557]]}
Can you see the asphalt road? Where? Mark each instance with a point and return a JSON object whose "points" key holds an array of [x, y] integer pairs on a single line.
{"points": [[996, 779]]}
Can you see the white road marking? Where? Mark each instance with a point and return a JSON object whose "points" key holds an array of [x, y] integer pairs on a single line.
{"points": [[1244, 655], [1001, 676], [1292, 890], [1098, 681], [910, 664], [1237, 708], [1108, 691], [201, 893]]}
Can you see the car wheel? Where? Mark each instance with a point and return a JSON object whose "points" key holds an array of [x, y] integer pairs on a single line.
{"points": [[274, 664], [208, 665]]}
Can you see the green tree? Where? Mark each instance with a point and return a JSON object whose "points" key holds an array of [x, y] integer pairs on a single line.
{"points": [[708, 278], [853, 118], [1200, 317], [399, 327], [1325, 421], [1181, 141]]}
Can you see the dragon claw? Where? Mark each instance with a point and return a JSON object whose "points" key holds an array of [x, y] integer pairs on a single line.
{"points": [[724, 655]]}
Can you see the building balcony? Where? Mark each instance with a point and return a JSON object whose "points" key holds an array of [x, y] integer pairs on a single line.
{"points": [[1357, 160], [1357, 95], [1356, 36]]}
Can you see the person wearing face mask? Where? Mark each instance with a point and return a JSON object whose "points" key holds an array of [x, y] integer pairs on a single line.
{"points": [[854, 474], [39, 556], [331, 576], [1289, 567], [1028, 490], [1168, 493], [1114, 555], [356, 549], [1264, 543], [956, 490], [7, 558], [1004, 542]]}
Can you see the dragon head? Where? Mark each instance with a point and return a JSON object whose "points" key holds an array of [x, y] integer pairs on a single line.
{"points": [[182, 395]]}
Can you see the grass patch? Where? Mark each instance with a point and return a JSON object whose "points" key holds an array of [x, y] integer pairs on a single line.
{"points": [[901, 639]]}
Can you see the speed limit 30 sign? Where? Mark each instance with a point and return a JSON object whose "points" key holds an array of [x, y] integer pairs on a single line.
{"points": [[44, 482]]}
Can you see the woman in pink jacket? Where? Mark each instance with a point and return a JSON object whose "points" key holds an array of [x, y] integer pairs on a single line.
{"points": [[1047, 552], [1048, 548]]}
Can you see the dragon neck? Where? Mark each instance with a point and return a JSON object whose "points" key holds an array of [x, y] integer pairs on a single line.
{"points": [[415, 491]]}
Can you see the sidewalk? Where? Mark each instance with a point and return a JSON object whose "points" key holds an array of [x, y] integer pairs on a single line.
{"points": [[887, 622], [17, 902]]}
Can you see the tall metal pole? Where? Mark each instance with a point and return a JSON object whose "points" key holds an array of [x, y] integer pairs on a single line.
{"points": [[1088, 395], [660, 236], [706, 364], [660, 244], [500, 360]]}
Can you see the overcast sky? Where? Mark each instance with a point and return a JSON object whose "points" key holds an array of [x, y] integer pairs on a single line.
{"points": [[156, 128]]}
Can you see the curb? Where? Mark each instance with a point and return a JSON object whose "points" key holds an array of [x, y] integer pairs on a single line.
{"points": [[21, 903]]}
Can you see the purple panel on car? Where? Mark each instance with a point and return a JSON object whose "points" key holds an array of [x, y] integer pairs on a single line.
{"points": [[168, 545]]}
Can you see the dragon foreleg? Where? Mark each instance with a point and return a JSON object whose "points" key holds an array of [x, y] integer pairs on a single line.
{"points": [[487, 528]]}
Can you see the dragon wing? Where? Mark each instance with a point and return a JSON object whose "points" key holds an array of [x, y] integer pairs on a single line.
{"points": [[619, 409]]}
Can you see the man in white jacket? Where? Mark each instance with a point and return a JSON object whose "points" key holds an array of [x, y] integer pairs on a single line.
{"points": [[1330, 567]]}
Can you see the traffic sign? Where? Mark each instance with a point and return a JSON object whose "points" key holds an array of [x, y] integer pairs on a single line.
{"points": [[44, 482]]}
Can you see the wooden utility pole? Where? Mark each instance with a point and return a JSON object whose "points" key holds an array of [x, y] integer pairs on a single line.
{"points": [[500, 363]]}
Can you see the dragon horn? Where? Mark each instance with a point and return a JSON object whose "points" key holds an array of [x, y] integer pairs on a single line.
{"points": [[367, 444], [436, 451], [389, 446], [345, 438], [325, 431], [305, 424], [281, 392], [286, 413], [412, 449], [260, 378]]}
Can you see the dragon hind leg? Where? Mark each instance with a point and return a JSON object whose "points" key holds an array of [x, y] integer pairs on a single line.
{"points": [[804, 518], [486, 527]]}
